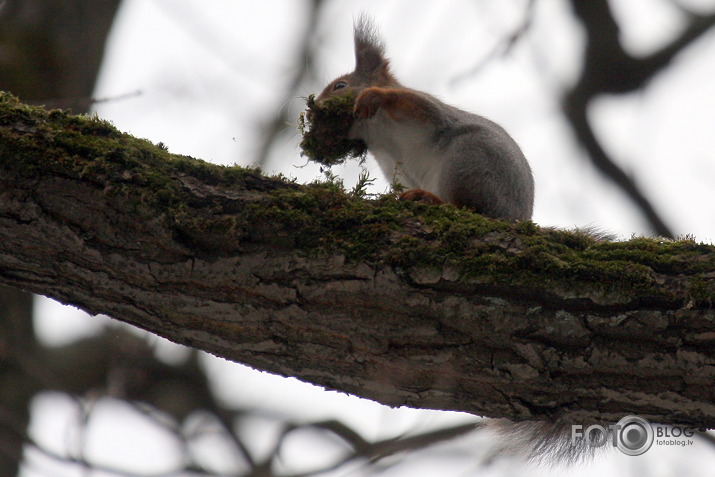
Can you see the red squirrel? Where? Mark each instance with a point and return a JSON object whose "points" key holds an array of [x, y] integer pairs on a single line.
{"points": [[444, 154], [441, 153]]}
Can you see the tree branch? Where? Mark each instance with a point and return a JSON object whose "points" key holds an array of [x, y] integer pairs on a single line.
{"points": [[402, 303]]}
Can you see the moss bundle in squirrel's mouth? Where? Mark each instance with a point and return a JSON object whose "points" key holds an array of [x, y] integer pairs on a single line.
{"points": [[325, 130]]}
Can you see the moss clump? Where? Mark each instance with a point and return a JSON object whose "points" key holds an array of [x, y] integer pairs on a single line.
{"points": [[325, 139]]}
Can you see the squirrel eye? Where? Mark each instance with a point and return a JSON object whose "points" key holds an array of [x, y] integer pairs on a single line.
{"points": [[339, 85]]}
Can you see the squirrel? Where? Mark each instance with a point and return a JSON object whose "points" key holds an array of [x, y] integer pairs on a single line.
{"points": [[441, 153], [444, 154]]}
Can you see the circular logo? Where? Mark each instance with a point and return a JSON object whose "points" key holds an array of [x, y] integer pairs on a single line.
{"points": [[635, 435]]}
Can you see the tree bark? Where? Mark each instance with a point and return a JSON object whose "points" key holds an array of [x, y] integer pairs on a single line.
{"points": [[402, 303], [50, 52]]}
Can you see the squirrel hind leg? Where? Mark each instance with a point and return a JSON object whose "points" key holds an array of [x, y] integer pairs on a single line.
{"points": [[421, 195]]}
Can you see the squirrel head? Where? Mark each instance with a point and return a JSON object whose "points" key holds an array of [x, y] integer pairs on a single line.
{"points": [[372, 68]]}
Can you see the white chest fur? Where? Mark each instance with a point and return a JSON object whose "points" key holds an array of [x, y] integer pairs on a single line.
{"points": [[403, 149]]}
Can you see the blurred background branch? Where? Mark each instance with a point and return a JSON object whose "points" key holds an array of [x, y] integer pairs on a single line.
{"points": [[609, 69]]}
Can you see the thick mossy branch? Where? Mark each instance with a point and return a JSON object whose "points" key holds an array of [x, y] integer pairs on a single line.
{"points": [[149, 182], [401, 302]]}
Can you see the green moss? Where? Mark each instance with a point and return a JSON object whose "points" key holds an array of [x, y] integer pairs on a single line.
{"points": [[321, 218], [701, 290], [325, 139]]}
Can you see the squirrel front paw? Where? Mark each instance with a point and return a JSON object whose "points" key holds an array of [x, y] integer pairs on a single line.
{"points": [[368, 102], [421, 195]]}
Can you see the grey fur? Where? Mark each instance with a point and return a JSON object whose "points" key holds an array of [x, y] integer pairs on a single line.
{"points": [[541, 442], [484, 169]]}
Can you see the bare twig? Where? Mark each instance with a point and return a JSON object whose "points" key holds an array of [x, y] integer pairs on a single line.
{"points": [[82, 103], [303, 68], [503, 47], [372, 452]]}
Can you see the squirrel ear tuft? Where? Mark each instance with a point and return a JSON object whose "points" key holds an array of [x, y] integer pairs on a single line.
{"points": [[369, 49]]}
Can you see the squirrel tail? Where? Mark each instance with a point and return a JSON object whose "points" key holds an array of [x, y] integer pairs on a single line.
{"points": [[540, 442]]}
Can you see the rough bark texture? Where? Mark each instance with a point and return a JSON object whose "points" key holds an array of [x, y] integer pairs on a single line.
{"points": [[403, 303], [50, 52]]}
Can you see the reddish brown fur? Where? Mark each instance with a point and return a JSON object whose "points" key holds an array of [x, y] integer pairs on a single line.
{"points": [[399, 103], [421, 195]]}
